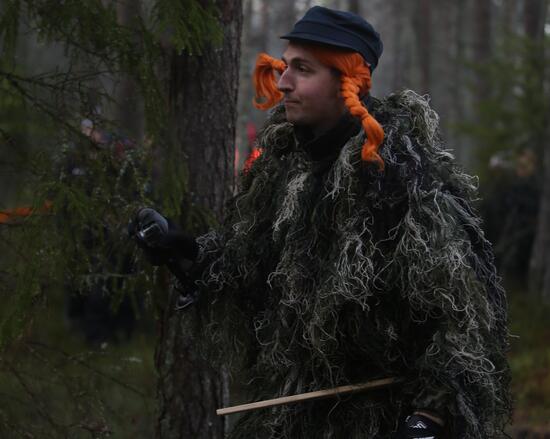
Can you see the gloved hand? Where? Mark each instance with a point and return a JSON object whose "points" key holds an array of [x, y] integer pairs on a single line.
{"points": [[420, 427], [161, 241], [164, 244]]}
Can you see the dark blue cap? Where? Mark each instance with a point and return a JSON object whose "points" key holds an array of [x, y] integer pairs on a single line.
{"points": [[340, 29]]}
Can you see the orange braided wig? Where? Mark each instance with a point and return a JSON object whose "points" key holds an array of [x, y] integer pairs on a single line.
{"points": [[355, 81]]}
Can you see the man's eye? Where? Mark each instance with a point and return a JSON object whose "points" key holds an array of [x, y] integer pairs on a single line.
{"points": [[282, 71], [303, 69]]}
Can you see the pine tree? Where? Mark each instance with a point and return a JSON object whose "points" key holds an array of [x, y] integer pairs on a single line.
{"points": [[173, 52]]}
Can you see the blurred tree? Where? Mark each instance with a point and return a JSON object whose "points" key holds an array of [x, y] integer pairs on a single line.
{"points": [[509, 11], [457, 92], [423, 29], [483, 42], [129, 106], [510, 126], [399, 71], [353, 6], [535, 16]]}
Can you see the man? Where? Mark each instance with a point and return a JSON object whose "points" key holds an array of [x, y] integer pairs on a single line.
{"points": [[351, 253]]}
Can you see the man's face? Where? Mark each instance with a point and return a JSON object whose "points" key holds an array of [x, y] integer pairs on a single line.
{"points": [[311, 90]]}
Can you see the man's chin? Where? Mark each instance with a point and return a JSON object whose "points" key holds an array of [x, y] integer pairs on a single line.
{"points": [[293, 117]]}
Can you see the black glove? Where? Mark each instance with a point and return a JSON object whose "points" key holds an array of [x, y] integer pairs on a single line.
{"points": [[161, 241], [164, 244], [418, 426]]}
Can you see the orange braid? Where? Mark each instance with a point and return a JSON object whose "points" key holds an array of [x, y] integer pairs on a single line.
{"points": [[355, 79], [265, 82], [375, 133]]}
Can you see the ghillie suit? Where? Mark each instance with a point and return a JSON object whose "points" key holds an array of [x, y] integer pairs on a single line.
{"points": [[329, 272]]}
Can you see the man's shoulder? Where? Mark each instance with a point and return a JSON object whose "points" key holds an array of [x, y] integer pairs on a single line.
{"points": [[413, 151], [406, 110], [411, 133]]}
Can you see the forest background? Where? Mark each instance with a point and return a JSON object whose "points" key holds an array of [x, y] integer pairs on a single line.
{"points": [[108, 105]]}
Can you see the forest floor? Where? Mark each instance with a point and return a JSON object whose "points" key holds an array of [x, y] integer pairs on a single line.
{"points": [[530, 363], [53, 384], [67, 387]]}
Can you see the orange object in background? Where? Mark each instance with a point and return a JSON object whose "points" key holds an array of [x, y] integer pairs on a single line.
{"points": [[256, 152], [9, 215]]}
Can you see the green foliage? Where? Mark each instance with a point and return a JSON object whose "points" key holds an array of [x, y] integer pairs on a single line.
{"points": [[13, 114], [81, 241], [83, 193], [75, 246], [92, 36], [189, 25], [48, 391], [9, 27], [513, 117]]}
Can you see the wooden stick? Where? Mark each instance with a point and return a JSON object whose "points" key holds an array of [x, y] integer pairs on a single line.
{"points": [[342, 390]]}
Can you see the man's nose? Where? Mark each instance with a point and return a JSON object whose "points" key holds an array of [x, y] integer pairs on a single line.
{"points": [[285, 83]]}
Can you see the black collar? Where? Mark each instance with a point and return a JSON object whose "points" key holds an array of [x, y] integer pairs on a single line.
{"points": [[327, 146]]}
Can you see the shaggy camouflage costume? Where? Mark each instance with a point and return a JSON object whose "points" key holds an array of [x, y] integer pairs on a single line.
{"points": [[333, 273]]}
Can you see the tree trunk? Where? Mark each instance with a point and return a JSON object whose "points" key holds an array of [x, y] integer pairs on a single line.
{"points": [[483, 27], [458, 83], [508, 16], [482, 44], [539, 264], [203, 104], [265, 21], [245, 89], [534, 14], [397, 18], [423, 25], [282, 17], [354, 7], [539, 268]]}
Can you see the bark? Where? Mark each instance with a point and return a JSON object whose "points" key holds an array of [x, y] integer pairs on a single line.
{"points": [[189, 390], [203, 91], [204, 97]]}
